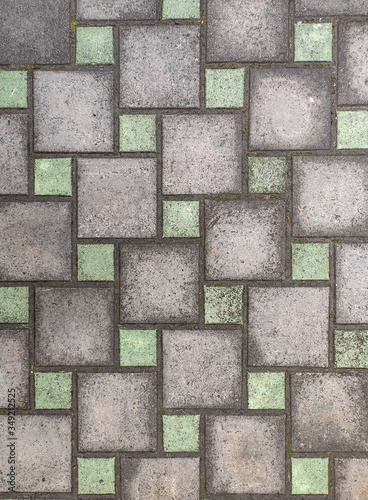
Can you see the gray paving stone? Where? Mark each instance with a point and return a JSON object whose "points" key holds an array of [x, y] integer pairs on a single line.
{"points": [[329, 412], [159, 283], [245, 239], [202, 368], [117, 197], [116, 9], [33, 246], [330, 7], [353, 63], [202, 154], [351, 478], [13, 154], [43, 453], [74, 326], [73, 111], [288, 326], [117, 411], [290, 108], [330, 196], [35, 32], [14, 367], [352, 283], [160, 478], [159, 66], [244, 30], [245, 454]]}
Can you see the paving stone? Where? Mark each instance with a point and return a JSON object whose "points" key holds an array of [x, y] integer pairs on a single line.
{"points": [[310, 261], [95, 45], [223, 304], [13, 154], [14, 304], [13, 89], [266, 390], [290, 108], [181, 433], [53, 390], [36, 33], [351, 283], [245, 454], [351, 478], [266, 174], [241, 30], [309, 476], [202, 368], [288, 326], [116, 9], [352, 129], [74, 326], [351, 349], [330, 7], [225, 88], [53, 176], [186, 9], [42, 453], [160, 478], [117, 411], [329, 412], [146, 51], [95, 262], [14, 367], [313, 42], [138, 347], [137, 133], [96, 476], [159, 283], [33, 246], [73, 111], [117, 197], [245, 239], [202, 154], [180, 219]]}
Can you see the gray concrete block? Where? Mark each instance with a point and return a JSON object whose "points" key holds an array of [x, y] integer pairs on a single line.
{"points": [[14, 154], [351, 478], [330, 7], [116, 9]]}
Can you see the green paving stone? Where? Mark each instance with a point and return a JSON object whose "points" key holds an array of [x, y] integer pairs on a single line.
{"points": [[181, 433], [267, 174], [352, 129], [14, 304], [96, 476], [138, 348], [53, 391], [13, 89], [95, 45], [181, 219], [351, 349], [310, 261], [181, 9], [53, 176], [223, 304], [137, 133], [266, 391], [225, 88], [96, 262], [313, 42], [309, 476]]}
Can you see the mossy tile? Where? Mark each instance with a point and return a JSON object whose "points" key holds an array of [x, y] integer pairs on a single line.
{"points": [[225, 88], [95, 45], [267, 174], [352, 129], [53, 176], [96, 262], [14, 304], [182, 9], [13, 89], [309, 476], [181, 433], [313, 42], [351, 349], [53, 391], [138, 348], [181, 219], [266, 391], [310, 261], [223, 304], [137, 133], [96, 476]]}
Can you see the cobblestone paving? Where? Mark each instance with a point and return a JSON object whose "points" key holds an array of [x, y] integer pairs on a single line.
{"points": [[184, 249]]}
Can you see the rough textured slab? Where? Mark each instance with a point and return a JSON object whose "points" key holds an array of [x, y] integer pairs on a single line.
{"points": [[116, 9], [351, 478], [13, 154], [330, 7]]}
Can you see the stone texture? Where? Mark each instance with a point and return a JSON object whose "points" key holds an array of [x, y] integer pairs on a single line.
{"points": [[137, 133], [73, 111], [267, 174], [117, 411], [351, 349], [330, 196], [225, 88], [186, 9], [266, 390], [74, 326], [138, 347], [53, 391], [13, 89], [310, 261], [330, 7], [53, 176], [117, 197], [159, 66], [288, 326], [180, 219], [202, 368], [36, 241], [202, 154], [159, 283], [313, 42], [96, 476], [329, 412], [116, 9], [181, 433], [14, 304], [290, 108], [245, 239], [245, 454], [244, 30], [309, 476], [95, 262], [351, 478], [223, 304], [13, 154], [352, 129], [95, 45]]}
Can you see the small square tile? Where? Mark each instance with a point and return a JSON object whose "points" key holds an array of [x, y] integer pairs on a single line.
{"points": [[352, 129], [13, 154], [267, 174], [351, 349], [309, 476], [53, 391], [13, 89], [180, 219], [137, 133], [223, 304], [310, 261], [185, 9], [181, 433], [313, 42], [96, 476], [95, 262], [116, 9], [14, 304], [53, 176], [225, 88], [138, 347], [95, 45], [351, 478], [266, 391]]}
